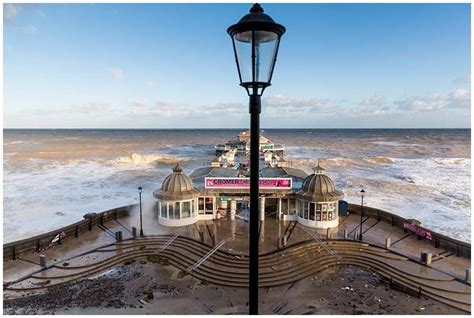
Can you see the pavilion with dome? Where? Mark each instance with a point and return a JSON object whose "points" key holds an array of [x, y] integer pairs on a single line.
{"points": [[311, 200]]}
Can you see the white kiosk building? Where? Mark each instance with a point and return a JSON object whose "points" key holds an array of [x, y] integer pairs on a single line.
{"points": [[310, 200], [318, 201]]}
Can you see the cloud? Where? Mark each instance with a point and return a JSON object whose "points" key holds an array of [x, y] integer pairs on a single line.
{"points": [[463, 79], [91, 107], [460, 98], [149, 83], [373, 101], [11, 11], [116, 73], [28, 29], [285, 102], [85, 108]]}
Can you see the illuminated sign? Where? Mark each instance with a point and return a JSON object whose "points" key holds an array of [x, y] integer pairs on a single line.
{"points": [[418, 230], [244, 183]]}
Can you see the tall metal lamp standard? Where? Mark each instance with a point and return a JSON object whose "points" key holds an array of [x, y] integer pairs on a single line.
{"points": [[362, 192], [255, 38], [141, 218]]}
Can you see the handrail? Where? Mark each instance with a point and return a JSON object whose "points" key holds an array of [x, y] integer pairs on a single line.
{"points": [[205, 257], [168, 243], [324, 245]]}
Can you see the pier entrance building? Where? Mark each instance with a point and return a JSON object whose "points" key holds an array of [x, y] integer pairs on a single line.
{"points": [[286, 194]]}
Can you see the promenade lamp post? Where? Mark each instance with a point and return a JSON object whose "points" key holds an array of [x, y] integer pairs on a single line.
{"points": [[141, 218], [255, 39], [362, 192]]}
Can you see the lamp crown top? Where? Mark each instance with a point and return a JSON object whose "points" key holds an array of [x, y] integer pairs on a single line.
{"points": [[256, 8]]}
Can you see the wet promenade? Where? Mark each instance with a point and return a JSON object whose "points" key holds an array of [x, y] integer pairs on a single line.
{"points": [[98, 250]]}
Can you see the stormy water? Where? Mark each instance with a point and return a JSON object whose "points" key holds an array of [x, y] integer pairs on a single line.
{"points": [[54, 177]]}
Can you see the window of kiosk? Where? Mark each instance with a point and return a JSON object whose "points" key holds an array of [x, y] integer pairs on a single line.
{"points": [[305, 210], [318, 212], [299, 209], [331, 211], [201, 205], [284, 206], [292, 206], [171, 210], [186, 212], [311, 211], [209, 206], [164, 212], [176, 210], [193, 212]]}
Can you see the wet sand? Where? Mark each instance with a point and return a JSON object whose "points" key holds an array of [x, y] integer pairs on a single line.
{"points": [[142, 286]]}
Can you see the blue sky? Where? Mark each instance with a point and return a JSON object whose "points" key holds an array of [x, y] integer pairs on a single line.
{"points": [[172, 66]]}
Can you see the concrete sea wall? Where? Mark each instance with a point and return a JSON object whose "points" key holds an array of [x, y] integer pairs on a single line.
{"points": [[73, 231], [438, 240]]}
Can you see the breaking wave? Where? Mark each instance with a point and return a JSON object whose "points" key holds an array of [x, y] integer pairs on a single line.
{"points": [[140, 159]]}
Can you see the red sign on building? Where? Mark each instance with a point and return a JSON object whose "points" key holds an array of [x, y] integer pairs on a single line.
{"points": [[244, 183]]}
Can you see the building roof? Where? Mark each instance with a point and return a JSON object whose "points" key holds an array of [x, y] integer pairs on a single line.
{"points": [[318, 187], [176, 186]]}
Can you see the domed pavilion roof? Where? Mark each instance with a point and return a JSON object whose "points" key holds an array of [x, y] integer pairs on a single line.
{"points": [[176, 186], [318, 187]]}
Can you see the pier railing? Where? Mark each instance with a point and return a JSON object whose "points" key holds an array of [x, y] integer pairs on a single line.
{"points": [[438, 240], [37, 243]]}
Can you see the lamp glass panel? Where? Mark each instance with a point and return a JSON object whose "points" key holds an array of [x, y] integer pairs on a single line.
{"points": [[243, 49], [265, 49]]}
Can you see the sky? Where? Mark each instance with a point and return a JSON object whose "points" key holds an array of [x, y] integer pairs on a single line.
{"points": [[172, 66]]}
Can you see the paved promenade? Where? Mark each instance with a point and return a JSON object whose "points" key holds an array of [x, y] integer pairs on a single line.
{"points": [[443, 279]]}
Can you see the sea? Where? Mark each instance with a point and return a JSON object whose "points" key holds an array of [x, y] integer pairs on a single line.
{"points": [[53, 177]]}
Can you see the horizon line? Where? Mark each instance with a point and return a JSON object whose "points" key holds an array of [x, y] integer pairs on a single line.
{"points": [[243, 128]]}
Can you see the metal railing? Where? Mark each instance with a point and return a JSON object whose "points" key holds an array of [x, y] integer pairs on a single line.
{"points": [[168, 243], [205, 257], [324, 245]]}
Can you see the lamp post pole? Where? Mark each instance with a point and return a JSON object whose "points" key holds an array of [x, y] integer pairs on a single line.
{"points": [[362, 192], [254, 109], [255, 39], [141, 218]]}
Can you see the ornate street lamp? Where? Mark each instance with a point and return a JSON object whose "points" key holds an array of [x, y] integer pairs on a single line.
{"points": [[141, 219], [255, 38], [362, 192]]}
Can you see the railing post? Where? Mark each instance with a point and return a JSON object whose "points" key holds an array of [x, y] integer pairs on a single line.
{"points": [[458, 252], [76, 233], [468, 275], [134, 231], [388, 242], [42, 260], [38, 243], [392, 221], [14, 253]]}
